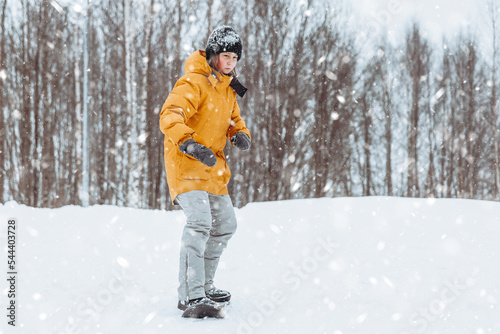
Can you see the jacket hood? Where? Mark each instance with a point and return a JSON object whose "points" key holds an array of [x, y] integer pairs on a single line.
{"points": [[197, 63]]}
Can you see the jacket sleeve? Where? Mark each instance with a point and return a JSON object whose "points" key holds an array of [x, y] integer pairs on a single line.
{"points": [[237, 123], [181, 104]]}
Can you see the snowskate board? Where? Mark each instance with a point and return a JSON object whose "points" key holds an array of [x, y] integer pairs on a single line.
{"points": [[203, 308]]}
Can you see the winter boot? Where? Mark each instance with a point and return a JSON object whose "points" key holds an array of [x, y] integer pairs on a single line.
{"points": [[182, 305], [203, 308], [218, 295]]}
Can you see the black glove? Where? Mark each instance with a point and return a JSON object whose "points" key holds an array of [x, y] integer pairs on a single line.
{"points": [[199, 152], [241, 141]]}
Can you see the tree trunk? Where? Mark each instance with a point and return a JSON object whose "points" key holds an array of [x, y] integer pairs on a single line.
{"points": [[153, 141], [470, 126], [416, 58], [452, 164], [367, 143], [412, 140], [26, 125], [77, 121], [388, 137], [493, 101], [3, 76]]}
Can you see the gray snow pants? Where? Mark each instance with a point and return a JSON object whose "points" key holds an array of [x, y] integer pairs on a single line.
{"points": [[210, 224]]}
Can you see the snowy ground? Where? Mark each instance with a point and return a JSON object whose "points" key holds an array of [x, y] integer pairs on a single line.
{"points": [[340, 266]]}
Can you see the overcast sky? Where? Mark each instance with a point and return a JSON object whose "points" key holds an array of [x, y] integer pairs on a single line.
{"points": [[437, 17]]}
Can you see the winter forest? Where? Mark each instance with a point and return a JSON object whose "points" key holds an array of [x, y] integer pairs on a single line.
{"points": [[334, 109]]}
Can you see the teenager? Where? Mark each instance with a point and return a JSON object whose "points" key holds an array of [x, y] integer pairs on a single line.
{"points": [[198, 116]]}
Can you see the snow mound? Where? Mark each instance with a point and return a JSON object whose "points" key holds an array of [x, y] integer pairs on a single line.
{"points": [[340, 266]]}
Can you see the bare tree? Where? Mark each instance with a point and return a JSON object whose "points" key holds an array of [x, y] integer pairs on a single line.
{"points": [[366, 114], [331, 75], [153, 141], [3, 76], [373, 124], [386, 82], [26, 184], [368, 99], [417, 62], [445, 112], [430, 185], [465, 65], [294, 106], [493, 13]]}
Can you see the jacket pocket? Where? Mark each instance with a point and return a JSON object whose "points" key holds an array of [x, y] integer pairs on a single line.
{"points": [[223, 173], [192, 169]]}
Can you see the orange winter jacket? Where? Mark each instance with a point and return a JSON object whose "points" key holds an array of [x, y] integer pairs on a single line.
{"points": [[202, 106]]}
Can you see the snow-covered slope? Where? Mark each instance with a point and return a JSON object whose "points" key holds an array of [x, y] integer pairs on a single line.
{"points": [[340, 266]]}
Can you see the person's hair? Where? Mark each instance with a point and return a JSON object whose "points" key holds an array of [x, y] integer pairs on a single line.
{"points": [[214, 62]]}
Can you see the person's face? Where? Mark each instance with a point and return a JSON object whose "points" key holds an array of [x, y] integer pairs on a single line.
{"points": [[227, 62]]}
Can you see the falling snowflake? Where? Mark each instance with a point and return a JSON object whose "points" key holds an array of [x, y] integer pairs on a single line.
{"points": [[439, 94], [330, 75], [122, 262], [142, 138], [57, 7], [321, 60]]}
